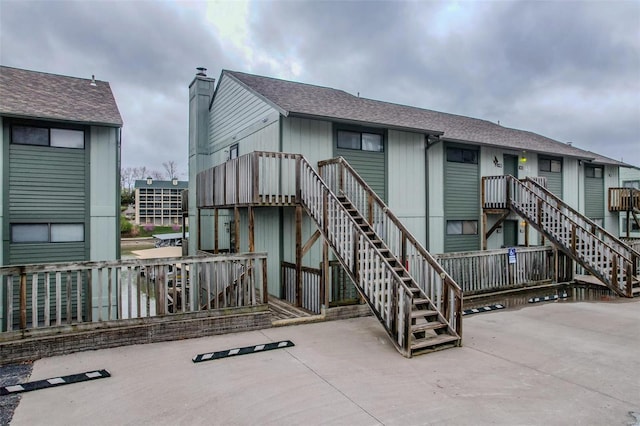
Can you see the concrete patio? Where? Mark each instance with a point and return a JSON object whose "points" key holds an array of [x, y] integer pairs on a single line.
{"points": [[552, 364]]}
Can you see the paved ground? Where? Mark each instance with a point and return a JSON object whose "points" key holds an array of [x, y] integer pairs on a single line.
{"points": [[550, 364]]}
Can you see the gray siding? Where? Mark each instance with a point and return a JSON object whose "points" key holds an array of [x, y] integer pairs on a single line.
{"points": [[371, 166], [594, 197], [47, 185], [461, 202], [234, 109]]}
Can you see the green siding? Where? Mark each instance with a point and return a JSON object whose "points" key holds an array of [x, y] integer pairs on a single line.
{"points": [[47, 185], [371, 166], [594, 197], [461, 202]]}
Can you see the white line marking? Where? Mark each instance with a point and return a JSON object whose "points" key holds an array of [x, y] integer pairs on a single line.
{"points": [[259, 348], [14, 388], [234, 351], [56, 381]]}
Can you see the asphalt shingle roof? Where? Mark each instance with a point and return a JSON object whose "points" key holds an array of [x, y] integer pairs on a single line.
{"points": [[32, 94], [317, 101]]}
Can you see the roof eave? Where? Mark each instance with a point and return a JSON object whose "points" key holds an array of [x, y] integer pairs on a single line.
{"points": [[365, 123], [60, 120]]}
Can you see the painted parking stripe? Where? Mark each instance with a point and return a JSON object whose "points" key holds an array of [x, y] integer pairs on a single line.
{"points": [[483, 309], [53, 382], [548, 298], [242, 351]]}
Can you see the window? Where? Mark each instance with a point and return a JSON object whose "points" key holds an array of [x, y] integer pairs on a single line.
{"points": [[593, 172], [362, 141], [462, 227], [462, 155], [550, 165], [233, 151], [631, 184], [44, 136], [634, 226], [47, 233]]}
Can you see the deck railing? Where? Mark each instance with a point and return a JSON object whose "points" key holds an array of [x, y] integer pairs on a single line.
{"points": [[624, 199], [600, 252], [257, 178], [57, 294], [310, 287], [491, 270], [430, 276]]}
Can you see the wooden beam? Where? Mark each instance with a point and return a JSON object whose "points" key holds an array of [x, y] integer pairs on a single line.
{"points": [[298, 255], [198, 238], [310, 242], [216, 232], [251, 229], [324, 284], [496, 225], [236, 224]]}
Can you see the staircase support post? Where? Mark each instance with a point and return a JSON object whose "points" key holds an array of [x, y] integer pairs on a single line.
{"points": [[198, 237], [298, 255], [324, 284], [236, 225], [216, 234], [251, 229]]}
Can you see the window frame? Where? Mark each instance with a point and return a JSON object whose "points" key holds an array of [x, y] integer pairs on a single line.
{"points": [[463, 156], [463, 224], [551, 161], [49, 237], [590, 171], [361, 131], [234, 151], [58, 126]]}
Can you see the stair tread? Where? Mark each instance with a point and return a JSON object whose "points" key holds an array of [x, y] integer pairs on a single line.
{"points": [[433, 341], [427, 326], [419, 313]]}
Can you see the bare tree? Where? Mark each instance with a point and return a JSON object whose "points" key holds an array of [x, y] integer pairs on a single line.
{"points": [[127, 178], [171, 168], [156, 175]]}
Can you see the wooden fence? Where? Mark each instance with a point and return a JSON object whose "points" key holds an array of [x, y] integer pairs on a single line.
{"points": [[492, 270], [50, 295], [312, 295]]}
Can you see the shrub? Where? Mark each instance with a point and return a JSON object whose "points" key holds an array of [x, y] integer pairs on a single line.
{"points": [[149, 227], [176, 228], [125, 225]]}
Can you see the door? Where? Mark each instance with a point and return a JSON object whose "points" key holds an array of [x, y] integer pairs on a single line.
{"points": [[510, 229], [510, 165]]}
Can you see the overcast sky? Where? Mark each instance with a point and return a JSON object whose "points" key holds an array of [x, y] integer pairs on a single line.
{"points": [[566, 70]]}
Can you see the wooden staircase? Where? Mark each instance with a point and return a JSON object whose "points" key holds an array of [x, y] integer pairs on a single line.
{"points": [[422, 312], [605, 256]]}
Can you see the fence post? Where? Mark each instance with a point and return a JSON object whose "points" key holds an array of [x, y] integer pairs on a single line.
{"points": [[265, 288], [256, 176], [23, 300]]}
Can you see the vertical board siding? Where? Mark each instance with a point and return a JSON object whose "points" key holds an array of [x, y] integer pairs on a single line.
{"points": [[234, 109], [371, 166], [461, 202], [594, 197]]}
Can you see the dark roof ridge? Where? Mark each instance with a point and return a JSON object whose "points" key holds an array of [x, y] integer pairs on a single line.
{"points": [[54, 74], [232, 72]]}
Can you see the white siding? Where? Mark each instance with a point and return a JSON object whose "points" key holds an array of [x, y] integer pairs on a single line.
{"points": [[611, 180], [572, 183], [235, 110], [435, 180], [313, 138], [407, 192], [103, 193]]}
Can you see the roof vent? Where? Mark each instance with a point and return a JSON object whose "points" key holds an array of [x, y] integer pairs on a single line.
{"points": [[569, 143], [93, 80], [202, 71]]}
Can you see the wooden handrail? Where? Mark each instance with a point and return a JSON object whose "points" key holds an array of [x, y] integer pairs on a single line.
{"points": [[407, 235]]}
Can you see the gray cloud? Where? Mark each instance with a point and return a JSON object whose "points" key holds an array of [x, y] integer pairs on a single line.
{"points": [[567, 70]]}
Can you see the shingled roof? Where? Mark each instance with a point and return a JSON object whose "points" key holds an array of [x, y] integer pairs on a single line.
{"points": [[32, 94], [324, 102]]}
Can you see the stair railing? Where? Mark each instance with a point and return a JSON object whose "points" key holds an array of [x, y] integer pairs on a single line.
{"points": [[610, 260], [432, 279], [389, 296], [579, 218]]}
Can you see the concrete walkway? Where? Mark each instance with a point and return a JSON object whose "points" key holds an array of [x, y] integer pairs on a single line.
{"points": [[550, 364]]}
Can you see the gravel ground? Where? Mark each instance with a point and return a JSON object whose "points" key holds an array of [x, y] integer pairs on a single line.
{"points": [[10, 375]]}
